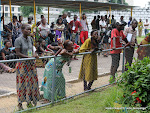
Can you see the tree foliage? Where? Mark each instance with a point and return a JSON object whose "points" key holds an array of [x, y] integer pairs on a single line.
{"points": [[27, 10], [118, 1]]}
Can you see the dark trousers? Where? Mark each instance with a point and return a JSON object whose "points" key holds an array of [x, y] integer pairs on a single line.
{"points": [[114, 64], [146, 31], [129, 52]]}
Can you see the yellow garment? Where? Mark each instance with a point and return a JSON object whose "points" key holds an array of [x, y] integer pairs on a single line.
{"points": [[32, 31], [140, 25], [89, 63]]}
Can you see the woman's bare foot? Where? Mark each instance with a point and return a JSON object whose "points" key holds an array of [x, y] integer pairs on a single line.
{"points": [[11, 71]]}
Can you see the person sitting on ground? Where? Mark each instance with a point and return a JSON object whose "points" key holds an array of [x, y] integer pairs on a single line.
{"points": [[6, 55], [56, 46], [5, 52], [144, 51], [9, 37], [88, 70], [41, 49]]}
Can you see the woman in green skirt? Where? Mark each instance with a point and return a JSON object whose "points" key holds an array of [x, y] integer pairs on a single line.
{"points": [[59, 91]]}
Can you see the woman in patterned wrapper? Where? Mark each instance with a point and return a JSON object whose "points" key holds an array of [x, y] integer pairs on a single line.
{"points": [[26, 73], [59, 91]]}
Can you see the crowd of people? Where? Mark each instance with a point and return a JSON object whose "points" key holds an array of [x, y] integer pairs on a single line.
{"points": [[65, 38]]}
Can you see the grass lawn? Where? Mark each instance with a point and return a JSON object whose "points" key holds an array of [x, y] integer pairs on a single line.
{"points": [[94, 102]]}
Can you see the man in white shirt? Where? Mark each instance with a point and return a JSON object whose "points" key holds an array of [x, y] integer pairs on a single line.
{"points": [[102, 24], [68, 17], [146, 25]]}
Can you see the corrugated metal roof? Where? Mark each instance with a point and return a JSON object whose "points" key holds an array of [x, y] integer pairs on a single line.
{"points": [[69, 4]]}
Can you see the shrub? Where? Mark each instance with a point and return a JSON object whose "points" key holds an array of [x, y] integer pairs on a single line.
{"points": [[136, 83]]}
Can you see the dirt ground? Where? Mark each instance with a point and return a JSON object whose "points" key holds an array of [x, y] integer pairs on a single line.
{"points": [[9, 103]]}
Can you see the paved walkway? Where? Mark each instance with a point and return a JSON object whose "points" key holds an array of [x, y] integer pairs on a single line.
{"points": [[8, 81]]}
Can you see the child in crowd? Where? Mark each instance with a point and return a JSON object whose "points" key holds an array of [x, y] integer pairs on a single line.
{"points": [[41, 49], [6, 54], [76, 47], [56, 46], [9, 37]]}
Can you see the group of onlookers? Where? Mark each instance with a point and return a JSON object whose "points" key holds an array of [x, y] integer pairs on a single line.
{"points": [[62, 38]]}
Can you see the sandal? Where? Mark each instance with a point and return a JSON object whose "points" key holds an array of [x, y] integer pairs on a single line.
{"points": [[45, 101], [20, 107]]}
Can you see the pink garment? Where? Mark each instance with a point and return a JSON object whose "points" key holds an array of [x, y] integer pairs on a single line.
{"points": [[4, 67]]}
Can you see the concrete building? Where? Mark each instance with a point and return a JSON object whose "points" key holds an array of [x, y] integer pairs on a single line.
{"points": [[130, 2], [15, 10]]}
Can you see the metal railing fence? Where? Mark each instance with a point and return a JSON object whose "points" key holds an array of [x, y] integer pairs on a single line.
{"points": [[104, 62]]}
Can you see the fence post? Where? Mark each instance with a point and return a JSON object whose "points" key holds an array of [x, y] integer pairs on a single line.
{"points": [[53, 81], [123, 60]]}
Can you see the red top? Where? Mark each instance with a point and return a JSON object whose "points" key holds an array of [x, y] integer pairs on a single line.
{"points": [[77, 24], [119, 36], [76, 46]]}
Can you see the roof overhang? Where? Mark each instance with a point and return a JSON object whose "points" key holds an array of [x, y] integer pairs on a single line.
{"points": [[69, 4]]}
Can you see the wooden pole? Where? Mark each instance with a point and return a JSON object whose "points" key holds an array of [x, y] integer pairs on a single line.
{"points": [[3, 17], [110, 14], [10, 10], [48, 15], [34, 12], [80, 12], [131, 12]]}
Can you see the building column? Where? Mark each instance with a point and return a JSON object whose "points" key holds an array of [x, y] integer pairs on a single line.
{"points": [[131, 12], [80, 11], [34, 12], [110, 14], [10, 10], [48, 15]]}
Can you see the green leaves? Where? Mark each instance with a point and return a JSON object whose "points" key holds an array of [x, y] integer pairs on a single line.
{"points": [[27, 10], [136, 79]]}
